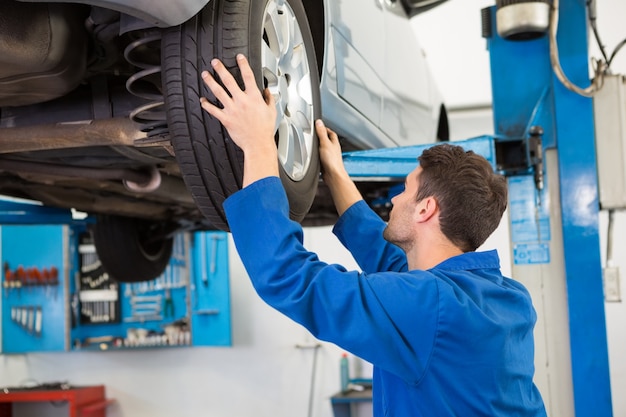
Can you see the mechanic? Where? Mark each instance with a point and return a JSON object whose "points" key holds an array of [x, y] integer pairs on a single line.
{"points": [[447, 334]]}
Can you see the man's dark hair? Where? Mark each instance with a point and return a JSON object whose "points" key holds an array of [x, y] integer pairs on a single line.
{"points": [[470, 195]]}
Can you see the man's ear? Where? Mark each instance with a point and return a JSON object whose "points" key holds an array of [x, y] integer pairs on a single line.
{"points": [[426, 209]]}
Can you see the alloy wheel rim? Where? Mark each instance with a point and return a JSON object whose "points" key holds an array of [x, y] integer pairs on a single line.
{"points": [[285, 69]]}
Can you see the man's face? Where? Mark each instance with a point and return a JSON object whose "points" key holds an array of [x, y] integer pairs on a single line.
{"points": [[400, 230]]}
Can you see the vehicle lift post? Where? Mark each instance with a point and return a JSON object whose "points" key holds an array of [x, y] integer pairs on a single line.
{"points": [[526, 94], [544, 142]]}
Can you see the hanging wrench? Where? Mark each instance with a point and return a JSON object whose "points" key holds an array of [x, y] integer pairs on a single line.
{"points": [[215, 238]]}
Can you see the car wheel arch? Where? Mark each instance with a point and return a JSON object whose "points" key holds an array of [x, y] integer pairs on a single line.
{"points": [[443, 125], [316, 16]]}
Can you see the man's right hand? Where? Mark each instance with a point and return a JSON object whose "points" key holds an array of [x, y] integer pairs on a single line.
{"points": [[342, 188], [248, 115]]}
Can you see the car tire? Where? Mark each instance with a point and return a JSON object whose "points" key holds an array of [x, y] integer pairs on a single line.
{"points": [[129, 249], [211, 164]]}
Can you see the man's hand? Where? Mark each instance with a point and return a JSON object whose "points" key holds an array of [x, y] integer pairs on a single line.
{"points": [[334, 173], [330, 153], [249, 117]]}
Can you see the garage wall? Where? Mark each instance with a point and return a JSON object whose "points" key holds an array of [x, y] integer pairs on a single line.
{"points": [[265, 373], [610, 25]]}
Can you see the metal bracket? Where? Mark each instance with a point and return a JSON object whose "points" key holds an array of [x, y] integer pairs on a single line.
{"points": [[522, 156]]}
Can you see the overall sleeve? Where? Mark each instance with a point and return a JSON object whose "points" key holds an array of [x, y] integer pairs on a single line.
{"points": [[360, 313], [360, 230]]}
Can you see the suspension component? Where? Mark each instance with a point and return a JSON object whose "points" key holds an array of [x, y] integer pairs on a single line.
{"points": [[144, 53]]}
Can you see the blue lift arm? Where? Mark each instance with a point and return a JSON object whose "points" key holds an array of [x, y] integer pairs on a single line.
{"points": [[17, 212]]}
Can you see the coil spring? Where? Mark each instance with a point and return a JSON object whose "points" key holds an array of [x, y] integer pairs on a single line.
{"points": [[151, 116]]}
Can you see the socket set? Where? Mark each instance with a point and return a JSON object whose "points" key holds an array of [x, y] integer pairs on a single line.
{"points": [[98, 293]]}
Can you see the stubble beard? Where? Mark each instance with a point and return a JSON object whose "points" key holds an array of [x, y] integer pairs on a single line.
{"points": [[395, 238]]}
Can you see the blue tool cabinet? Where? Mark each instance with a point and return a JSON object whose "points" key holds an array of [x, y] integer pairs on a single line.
{"points": [[34, 296], [57, 297]]}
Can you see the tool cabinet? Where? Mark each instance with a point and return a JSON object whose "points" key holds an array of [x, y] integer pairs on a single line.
{"points": [[87, 401], [56, 297]]}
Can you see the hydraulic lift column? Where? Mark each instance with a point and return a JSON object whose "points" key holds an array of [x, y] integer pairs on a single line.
{"points": [[544, 137]]}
